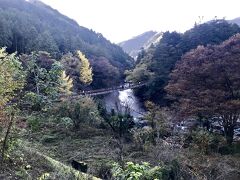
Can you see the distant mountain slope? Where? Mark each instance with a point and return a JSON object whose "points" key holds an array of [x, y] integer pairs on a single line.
{"points": [[236, 21], [134, 45], [153, 40], [31, 25]]}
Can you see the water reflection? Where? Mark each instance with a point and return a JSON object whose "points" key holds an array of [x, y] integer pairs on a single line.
{"points": [[125, 98]]}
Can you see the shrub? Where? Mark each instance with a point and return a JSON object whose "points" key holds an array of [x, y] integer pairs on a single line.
{"points": [[34, 122], [104, 172], [66, 122], [142, 137], [233, 149], [120, 121], [83, 110], [35, 101], [137, 171], [205, 141], [49, 138]]}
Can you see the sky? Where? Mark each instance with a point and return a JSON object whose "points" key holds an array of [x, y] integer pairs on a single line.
{"points": [[119, 20]]}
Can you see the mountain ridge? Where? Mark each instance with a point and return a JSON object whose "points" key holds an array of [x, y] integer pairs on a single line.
{"points": [[236, 21], [134, 45]]}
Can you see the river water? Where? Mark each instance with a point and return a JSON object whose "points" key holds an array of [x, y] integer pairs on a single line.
{"points": [[119, 99]]}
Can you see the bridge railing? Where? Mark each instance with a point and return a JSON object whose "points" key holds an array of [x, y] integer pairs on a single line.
{"points": [[123, 86]]}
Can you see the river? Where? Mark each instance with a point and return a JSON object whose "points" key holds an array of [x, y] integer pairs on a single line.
{"points": [[125, 98]]}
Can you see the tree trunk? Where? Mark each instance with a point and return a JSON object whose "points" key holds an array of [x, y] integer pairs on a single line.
{"points": [[121, 152], [229, 133], [4, 146], [229, 123], [76, 125]]}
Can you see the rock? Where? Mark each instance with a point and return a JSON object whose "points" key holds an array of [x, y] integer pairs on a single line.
{"points": [[81, 166]]}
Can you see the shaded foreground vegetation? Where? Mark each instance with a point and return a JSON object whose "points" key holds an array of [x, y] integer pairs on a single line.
{"points": [[46, 138]]}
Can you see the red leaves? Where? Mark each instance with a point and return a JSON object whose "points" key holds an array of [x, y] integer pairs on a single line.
{"points": [[207, 79]]}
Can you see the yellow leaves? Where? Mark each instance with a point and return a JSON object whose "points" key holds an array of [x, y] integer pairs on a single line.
{"points": [[3, 53], [149, 105], [86, 75], [66, 84]]}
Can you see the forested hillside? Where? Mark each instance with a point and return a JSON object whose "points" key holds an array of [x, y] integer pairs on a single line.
{"points": [[156, 63], [28, 26]]}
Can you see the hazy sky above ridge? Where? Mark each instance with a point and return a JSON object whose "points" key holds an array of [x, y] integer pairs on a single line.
{"points": [[119, 20]]}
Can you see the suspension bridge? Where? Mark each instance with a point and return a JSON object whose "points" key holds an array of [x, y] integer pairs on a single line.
{"points": [[103, 91], [98, 92]]}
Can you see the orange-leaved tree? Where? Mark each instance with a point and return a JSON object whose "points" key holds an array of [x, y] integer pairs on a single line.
{"points": [[206, 82]]}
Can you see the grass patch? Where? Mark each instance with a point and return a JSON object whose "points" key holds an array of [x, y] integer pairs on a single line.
{"points": [[59, 145]]}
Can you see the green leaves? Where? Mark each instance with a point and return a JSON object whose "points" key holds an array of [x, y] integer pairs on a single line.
{"points": [[44, 79], [12, 76], [82, 110], [137, 171]]}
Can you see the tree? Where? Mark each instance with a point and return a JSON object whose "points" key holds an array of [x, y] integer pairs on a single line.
{"points": [[80, 110], [45, 42], [140, 73], [206, 82], [72, 65], [66, 84], [43, 79], [86, 75], [12, 79], [157, 121], [121, 122], [105, 74]]}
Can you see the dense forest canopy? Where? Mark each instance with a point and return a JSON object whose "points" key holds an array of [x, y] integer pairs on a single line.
{"points": [[158, 61], [28, 26], [206, 83]]}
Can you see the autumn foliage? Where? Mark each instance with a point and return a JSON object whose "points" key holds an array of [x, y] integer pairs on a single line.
{"points": [[206, 82], [86, 75]]}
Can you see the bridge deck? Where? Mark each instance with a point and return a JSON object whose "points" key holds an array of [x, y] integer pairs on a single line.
{"points": [[109, 90]]}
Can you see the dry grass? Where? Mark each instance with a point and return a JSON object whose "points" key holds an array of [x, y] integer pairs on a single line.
{"points": [[96, 147]]}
